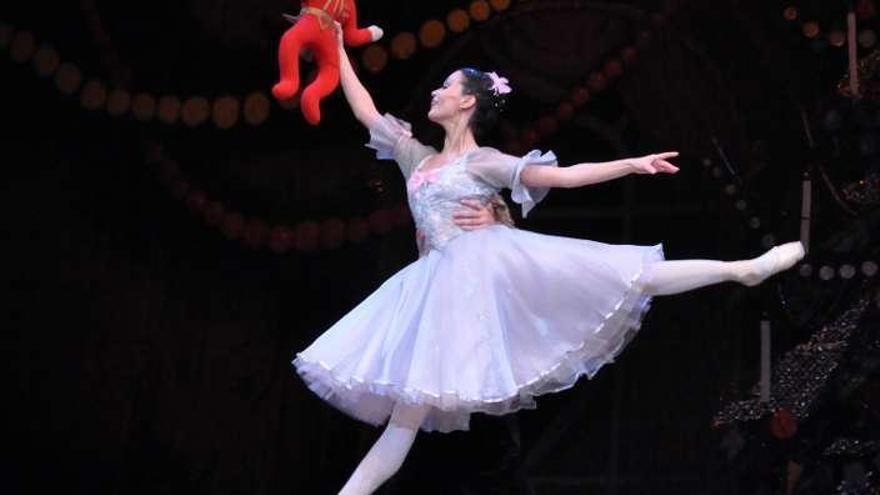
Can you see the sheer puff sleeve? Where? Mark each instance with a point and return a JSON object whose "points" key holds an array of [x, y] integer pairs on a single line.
{"points": [[392, 139], [502, 170]]}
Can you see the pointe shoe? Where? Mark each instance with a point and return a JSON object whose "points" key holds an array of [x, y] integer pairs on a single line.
{"points": [[777, 259]]}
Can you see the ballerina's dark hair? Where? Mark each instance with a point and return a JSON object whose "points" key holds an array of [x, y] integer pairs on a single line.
{"points": [[489, 104]]}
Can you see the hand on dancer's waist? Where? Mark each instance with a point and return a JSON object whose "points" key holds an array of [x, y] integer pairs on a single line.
{"points": [[473, 215]]}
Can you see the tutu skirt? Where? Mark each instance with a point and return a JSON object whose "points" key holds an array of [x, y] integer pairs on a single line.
{"points": [[485, 324]]}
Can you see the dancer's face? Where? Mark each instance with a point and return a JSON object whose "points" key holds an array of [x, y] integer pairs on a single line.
{"points": [[449, 101]]}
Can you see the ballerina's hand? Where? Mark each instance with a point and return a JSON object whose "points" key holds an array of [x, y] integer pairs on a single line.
{"points": [[339, 37], [653, 164], [474, 215]]}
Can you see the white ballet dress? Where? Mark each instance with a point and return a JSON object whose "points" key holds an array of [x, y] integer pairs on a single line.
{"points": [[486, 320]]}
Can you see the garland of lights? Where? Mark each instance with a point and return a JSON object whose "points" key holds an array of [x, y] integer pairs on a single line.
{"points": [[599, 80], [802, 377], [861, 192], [375, 57], [307, 236], [168, 109], [754, 221], [811, 29], [431, 34], [224, 111], [94, 94]]}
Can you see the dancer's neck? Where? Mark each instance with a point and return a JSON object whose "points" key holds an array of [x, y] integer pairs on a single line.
{"points": [[459, 138]]}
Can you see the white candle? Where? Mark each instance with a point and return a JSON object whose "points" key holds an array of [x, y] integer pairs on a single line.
{"points": [[765, 360], [853, 54], [805, 121], [806, 204]]}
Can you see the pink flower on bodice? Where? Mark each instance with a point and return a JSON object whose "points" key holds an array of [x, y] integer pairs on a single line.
{"points": [[418, 178]]}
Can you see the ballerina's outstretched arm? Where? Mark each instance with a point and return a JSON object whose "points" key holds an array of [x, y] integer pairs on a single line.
{"points": [[584, 174], [667, 277], [359, 99]]}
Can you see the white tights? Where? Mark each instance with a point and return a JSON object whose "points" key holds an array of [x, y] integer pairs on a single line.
{"points": [[674, 277], [663, 278], [387, 454]]}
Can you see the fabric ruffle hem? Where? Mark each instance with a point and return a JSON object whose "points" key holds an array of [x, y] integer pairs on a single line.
{"points": [[495, 318]]}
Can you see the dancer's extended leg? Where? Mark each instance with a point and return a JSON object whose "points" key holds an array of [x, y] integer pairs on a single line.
{"points": [[673, 277], [387, 454]]}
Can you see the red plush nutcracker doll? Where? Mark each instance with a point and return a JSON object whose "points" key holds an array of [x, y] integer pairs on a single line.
{"points": [[315, 30]]}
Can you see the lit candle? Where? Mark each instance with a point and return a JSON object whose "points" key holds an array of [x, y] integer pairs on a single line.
{"points": [[853, 53], [806, 204]]}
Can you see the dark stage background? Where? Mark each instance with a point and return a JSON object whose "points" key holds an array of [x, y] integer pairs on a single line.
{"points": [[167, 257]]}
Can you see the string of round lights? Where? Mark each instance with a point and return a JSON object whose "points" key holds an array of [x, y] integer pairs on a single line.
{"points": [[307, 236], [755, 221], [835, 35], [95, 94], [375, 57], [843, 271], [599, 80], [226, 111], [432, 34]]}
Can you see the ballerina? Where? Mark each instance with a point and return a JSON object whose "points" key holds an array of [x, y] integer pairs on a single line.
{"points": [[489, 318]]}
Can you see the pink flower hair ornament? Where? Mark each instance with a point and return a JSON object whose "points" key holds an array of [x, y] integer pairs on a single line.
{"points": [[500, 85]]}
